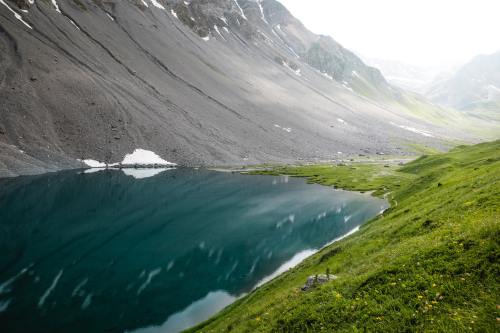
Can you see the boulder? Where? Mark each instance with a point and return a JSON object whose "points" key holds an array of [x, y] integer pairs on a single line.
{"points": [[315, 280]]}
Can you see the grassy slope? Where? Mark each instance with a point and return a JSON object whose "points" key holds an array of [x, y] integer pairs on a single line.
{"points": [[430, 263], [481, 124]]}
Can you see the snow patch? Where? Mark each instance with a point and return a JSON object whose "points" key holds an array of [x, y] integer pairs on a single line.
{"points": [[174, 14], [138, 157], [56, 6], [144, 157], [94, 164], [355, 74], [73, 22], [327, 76], [286, 129], [414, 130], [157, 4], [206, 39], [110, 17], [218, 31], [492, 87], [259, 2], [16, 15], [342, 121], [346, 85], [145, 3], [241, 10], [293, 52]]}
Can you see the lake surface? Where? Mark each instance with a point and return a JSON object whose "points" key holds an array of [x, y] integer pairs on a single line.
{"points": [[115, 251]]}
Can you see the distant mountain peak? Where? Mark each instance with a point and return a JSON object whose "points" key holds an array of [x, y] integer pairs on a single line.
{"points": [[473, 87]]}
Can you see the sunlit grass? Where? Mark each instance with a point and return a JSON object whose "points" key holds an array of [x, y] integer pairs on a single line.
{"points": [[430, 263]]}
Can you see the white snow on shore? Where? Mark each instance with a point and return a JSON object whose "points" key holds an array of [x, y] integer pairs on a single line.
{"points": [[145, 157], [174, 13], [94, 164], [138, 157]]}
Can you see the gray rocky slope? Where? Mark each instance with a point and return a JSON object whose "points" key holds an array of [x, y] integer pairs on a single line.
{"points": [[199, 82]]}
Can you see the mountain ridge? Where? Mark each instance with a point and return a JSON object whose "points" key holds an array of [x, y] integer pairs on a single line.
{"points": [[220, 82], [474, 87]]}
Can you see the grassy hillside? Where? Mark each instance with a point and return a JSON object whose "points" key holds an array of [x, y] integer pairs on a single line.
{"points": [[430, 263], [483, 124]]}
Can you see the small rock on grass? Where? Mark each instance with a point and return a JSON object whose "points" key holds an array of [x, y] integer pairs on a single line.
{"points": [[314, 280]]}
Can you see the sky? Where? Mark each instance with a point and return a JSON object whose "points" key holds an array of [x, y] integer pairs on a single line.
{"points": [[417, 32]]}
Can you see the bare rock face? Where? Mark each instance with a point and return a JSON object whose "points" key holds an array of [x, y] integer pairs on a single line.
{"points": [[219, 82], [23, 4]]}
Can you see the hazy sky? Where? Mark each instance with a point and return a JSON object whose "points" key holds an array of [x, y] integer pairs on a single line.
{"points": [[419, 32]]}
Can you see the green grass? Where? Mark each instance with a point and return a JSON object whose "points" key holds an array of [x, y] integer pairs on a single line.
{"points": [[423, 149], [430, 263], [483, 124], [379, 177]]}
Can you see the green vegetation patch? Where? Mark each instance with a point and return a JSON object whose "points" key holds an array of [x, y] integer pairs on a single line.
{"points": [[430, 263], [378, 177]]}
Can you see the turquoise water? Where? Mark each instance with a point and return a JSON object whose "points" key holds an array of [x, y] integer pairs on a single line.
{"points": [[116, 252]]}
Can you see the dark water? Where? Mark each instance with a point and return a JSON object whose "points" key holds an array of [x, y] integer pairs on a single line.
{"points": [[106, 252]]}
